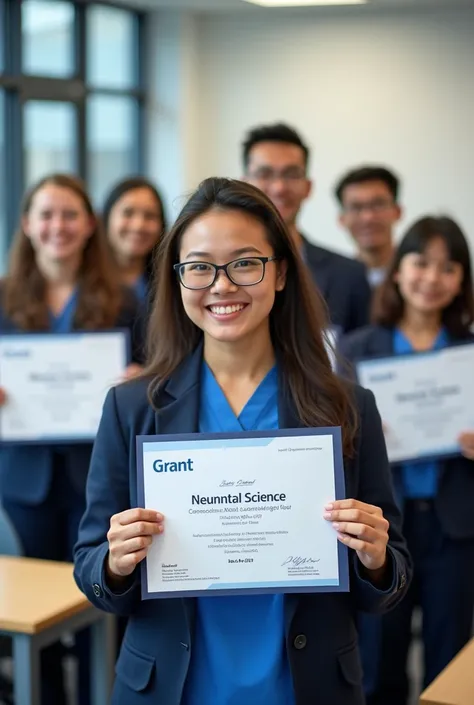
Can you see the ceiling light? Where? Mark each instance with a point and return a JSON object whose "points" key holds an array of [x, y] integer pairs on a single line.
{"points": [[304, 3]]}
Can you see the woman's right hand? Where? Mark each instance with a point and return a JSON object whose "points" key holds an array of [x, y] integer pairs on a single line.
{"points": [[130, 536], [3, 397]]}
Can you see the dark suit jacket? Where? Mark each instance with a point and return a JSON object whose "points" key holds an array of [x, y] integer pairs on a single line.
{"points": [[343, 284], [26, 471], [155, 656], [456, 487]]}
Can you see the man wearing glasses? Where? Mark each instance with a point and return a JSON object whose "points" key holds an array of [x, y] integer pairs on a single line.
{"points": [[368, 198], [275, 160]]}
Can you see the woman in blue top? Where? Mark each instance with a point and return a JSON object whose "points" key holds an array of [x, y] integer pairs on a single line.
{"points": [[244, 350], [134, 220], [59, 280], [425, 303]]}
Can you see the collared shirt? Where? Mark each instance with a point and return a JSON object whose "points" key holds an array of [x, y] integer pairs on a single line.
{"points": [[375, 276], [239, 652], [419, 480], [63, 321]]}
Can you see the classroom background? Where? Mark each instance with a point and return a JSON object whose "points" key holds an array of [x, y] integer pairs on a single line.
{"points": [[167, 89]]}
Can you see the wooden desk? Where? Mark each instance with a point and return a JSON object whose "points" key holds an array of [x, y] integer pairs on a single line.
{"points": [[455, 685], [39, 601]]}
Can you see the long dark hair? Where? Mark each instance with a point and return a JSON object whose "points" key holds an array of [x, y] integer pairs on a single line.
{"points": [[297, 321], [24, 288], [389, 306], [120, 189]]}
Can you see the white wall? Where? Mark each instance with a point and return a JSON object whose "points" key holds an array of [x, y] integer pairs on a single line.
{"points": [[173, 115], [385, 87]]}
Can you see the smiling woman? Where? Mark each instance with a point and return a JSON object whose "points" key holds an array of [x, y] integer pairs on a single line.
{"points": [[243, 351], [134, 220], [425, 305], [60, 280]]}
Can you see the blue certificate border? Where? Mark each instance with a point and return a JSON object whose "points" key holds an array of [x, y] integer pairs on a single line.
{"points": [[25, 337], [441, 453], [271, 588]]}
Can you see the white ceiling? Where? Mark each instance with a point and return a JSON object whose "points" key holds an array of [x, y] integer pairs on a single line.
{"points": [[223, 5]]}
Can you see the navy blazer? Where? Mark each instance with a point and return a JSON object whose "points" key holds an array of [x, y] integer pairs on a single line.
{"points": [[343, 284], [156, 652], [453, 501], [26, 471]]}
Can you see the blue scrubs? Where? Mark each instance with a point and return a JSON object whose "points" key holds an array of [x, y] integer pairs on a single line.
{"points": [[417, 480], [239, 652], [49, 531], [440, 563], [140, 288], [63, 322]]}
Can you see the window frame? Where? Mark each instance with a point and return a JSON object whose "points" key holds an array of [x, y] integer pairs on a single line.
{"points": [[18, 88]]}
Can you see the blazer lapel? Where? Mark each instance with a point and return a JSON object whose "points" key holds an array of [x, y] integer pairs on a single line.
{"points": [[178, 402], [382, 342], [315, 259], [287, 418], [178, 412]]}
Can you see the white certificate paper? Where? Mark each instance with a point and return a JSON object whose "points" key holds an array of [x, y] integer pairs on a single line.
{"points": [[425, 400], [243, 513], [56, 384]]}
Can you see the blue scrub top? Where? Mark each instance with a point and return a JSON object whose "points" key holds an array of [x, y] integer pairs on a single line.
{"points": [[418, 480], [63, 322], [140, 288], [239, 651]]}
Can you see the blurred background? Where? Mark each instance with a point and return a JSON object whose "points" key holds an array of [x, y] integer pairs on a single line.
{"points": [[168, 88]]}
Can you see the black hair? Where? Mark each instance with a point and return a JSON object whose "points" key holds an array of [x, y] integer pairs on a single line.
{"points": [[369, 173], [388, 304], [278, 132], [119, 190]]}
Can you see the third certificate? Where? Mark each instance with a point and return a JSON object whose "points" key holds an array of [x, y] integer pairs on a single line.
{"points": [[425, 400]]}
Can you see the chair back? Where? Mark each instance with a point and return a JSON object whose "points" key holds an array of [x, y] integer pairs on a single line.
{"points": [[10, 544]]}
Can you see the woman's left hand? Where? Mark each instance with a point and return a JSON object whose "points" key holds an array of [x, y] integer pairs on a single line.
{"points": [[466, 441], [132, 371], [363, 528]]}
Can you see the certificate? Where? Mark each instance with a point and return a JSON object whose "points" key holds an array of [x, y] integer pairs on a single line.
{"points": [[425, 400], [243, 513], [56, 384]]}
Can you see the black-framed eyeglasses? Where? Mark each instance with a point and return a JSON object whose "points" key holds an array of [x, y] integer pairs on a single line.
{"points": [[376, 206], [290, 176], [245, 271]]}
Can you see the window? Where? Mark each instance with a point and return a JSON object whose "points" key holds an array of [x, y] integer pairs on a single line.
{"points": [[112, 123], [3, 239], [48, 130], [47, 38], [71, 96], [111, 48]]}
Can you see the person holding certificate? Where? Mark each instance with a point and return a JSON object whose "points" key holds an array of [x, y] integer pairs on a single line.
{"points": [[59, 280], [244, 351], [425, 304], [134, 220]]}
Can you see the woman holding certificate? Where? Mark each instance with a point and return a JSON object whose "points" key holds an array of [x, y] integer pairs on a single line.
{"points": [[134, 220], [59, 281], [424, 306], [244, 351]]}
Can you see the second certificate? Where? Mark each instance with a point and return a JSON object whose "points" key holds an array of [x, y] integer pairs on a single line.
{"points": [[243, 514]]}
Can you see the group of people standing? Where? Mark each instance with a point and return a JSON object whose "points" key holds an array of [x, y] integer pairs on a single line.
{"points": [[245, 353]]}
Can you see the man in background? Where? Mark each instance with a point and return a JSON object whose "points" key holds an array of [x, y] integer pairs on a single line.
{"points": [[275, 160], [368, 198]]}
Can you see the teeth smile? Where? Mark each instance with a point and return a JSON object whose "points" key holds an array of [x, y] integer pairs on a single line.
{"points": [[226, 310]]}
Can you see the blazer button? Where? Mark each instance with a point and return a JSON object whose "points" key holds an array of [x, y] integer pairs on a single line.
{"points": [[300, 641], [97, 590]]}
